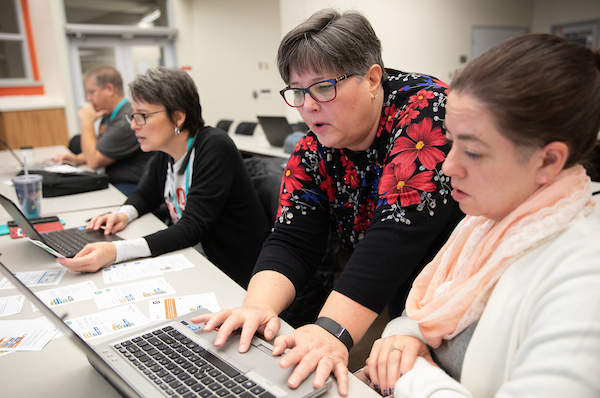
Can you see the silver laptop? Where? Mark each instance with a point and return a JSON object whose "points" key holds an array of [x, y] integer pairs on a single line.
{"points": [[30, 167], [176, 358], [276, 128], [66, 242]]}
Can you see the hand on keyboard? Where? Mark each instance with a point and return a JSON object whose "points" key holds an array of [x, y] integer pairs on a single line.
{"points": [[113, 222], [93, 257]]}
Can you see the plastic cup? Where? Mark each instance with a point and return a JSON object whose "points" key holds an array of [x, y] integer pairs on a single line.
{"points": [[29, 192], [27, 154]]}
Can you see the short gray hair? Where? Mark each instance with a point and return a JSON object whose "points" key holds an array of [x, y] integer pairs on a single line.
{"points": [[330, 41], [172, 88]]}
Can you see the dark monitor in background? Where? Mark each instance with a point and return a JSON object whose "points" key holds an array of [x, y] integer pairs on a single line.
{"points": [[276, 128]]}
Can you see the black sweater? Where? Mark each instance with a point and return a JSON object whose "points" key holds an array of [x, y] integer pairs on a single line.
{"points": [[389, 205], [222, 212]]}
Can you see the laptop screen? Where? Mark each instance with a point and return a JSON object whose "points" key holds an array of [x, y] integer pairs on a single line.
{"points": [[9, 149], [19, 218]]}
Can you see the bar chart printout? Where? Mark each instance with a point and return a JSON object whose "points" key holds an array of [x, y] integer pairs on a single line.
{"points": [[108, 322], [26, 335], [132, 292]]}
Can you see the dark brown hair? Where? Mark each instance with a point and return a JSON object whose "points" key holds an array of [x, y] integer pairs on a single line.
{"points": [[540, 88]]}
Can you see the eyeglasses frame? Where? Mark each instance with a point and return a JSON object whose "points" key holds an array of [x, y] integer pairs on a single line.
{"points": [[130, 116], [307, 89]]}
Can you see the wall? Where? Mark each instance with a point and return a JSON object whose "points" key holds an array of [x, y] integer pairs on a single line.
{"points": [[427, 36], [50, 47], [231, 45], [554, 12], [232, 58], [47, 20]]}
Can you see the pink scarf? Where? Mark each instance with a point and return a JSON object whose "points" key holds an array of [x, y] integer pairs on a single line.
{"points": [[452, 290]]}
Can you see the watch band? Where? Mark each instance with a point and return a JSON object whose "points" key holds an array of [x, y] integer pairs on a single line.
{"points": [[337, 330]]}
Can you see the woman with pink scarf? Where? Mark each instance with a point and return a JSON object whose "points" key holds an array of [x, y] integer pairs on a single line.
{"points": [[510, 306]]}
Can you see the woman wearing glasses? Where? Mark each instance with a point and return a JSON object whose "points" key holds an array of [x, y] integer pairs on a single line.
{"points": [[370, 170], [197, 171]]}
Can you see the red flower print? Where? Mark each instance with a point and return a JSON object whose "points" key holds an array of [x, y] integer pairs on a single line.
{"points": [[408, 115], [422, 144], [327, 185], [346, 162], [390, 114], [421, 98], [365, 214], [308, 143], [386, 121], [284, 200], [361, 223], [293, 173], [322, 169], [398, 182], [351, 178], [440, 83], [367, 208]]}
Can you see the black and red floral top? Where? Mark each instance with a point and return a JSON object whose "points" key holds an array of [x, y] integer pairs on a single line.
{"points": [[390, 205]]}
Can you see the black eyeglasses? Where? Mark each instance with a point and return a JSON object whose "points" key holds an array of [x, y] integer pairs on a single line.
{"points": [[140, 118], [323, 91]]}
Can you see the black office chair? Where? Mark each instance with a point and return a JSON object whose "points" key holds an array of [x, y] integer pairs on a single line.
{"points": [[224, 125], [245, 128]]}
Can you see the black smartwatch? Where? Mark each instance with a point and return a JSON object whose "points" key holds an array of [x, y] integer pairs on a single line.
{"points": [[337, 330]]}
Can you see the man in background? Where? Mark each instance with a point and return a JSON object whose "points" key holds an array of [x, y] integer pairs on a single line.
{"points": [[115, 148]]}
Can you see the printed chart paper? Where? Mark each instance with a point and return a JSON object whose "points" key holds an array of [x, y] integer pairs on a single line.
{"points": [[170, 308], [68, 294], [107, 322], [118, 295], [36, 278], [144, 268], [26, 335], [11, 305]]}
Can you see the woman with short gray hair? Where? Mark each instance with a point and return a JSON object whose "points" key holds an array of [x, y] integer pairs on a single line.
{"points": [[369, 170], [197, 172]]}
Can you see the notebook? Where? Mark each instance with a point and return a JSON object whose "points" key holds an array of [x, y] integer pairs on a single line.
{"points": [[276, 128], [143, 364], [65, 242]]}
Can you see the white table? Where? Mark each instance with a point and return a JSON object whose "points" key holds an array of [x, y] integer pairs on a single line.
{"points": [[62, 370], [257, 144], [100, 199]]}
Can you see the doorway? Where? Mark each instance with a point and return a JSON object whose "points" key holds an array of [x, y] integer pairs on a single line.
{"points": [[129, 56]]}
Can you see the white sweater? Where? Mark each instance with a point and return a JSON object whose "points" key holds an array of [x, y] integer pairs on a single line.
{"points": [[539, 335]]}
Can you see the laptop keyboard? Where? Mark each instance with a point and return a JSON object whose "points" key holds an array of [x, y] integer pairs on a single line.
{"points": [[68, 242], [182, 368]]}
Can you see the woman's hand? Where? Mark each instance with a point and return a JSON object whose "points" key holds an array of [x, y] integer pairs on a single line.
{"points": [[113, 222], [313, 349], [390, 358], [269, 293], [250, 319], [91, 258]]}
